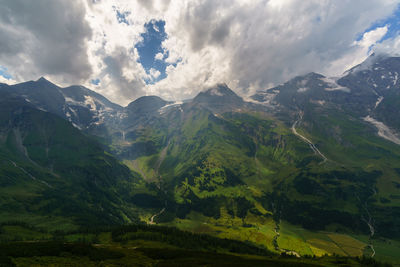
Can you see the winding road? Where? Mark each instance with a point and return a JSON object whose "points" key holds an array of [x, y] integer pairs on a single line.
{"points": [[308, 141]]}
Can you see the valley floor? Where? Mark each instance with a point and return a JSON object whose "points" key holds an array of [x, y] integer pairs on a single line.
{"points": [[289, 238], [141, 245]]}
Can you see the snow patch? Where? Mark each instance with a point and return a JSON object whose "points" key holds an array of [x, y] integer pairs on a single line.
{"points": [[70, 100], [216, 92], [268, 96], [164, 109], [378, 101], [383, 130], [302, 89], [333, 86], [73, 111], [319, 102], [76, 126], [303, 82], [89, 102]]}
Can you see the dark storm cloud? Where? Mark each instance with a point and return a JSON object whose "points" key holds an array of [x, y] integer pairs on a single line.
{"points": [[205, 25], [49, 37]]}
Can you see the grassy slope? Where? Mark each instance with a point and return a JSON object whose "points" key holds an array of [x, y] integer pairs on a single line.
{"points": [[238, 171], [54, 176]]}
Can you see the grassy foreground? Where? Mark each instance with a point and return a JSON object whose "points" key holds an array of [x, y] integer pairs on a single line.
{"points": [[144, 245]]}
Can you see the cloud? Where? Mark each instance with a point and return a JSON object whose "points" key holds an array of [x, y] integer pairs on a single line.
{"points": [[358, 52], [44, 38], [248, 44], [253, 45], [389, 46], [148, 4], [154, 73], [159, 56]]}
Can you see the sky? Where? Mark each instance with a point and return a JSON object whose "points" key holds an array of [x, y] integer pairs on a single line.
{"points": [[125, 49]]}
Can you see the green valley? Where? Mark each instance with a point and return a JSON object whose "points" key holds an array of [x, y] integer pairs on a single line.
{"points": [[306, 179]]}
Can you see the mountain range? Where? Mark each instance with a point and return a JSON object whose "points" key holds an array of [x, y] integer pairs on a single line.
{"points": [[300, 167]]}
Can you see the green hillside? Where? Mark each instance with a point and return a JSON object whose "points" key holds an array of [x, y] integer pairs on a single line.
{"points": [[242, 174], [53, 175], [304, 176]]}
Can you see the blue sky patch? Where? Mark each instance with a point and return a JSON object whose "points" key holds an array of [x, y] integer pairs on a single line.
{"points": [[95, 81], [150, 47], [121, 16], [4, 73], [393, 23]]}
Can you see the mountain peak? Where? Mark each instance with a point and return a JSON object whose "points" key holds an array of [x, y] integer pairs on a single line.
{"points": [[44, 82], [369, 62], [146, 104], [219, 97], [43, 79], [220, 89]]}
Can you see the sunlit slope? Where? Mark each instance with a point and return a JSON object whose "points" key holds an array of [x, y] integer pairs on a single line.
{"points": [[251, 162]]}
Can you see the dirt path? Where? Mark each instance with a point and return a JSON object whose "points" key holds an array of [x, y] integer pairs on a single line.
{"points": [[308, 141], [278, 234], [155, 215], [276, 245]]}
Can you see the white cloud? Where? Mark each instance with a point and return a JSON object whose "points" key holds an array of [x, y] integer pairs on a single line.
{"points": [[389, 46], [159, 56], [359, 51], [7, 80], [154, 73], [248, 44], [251, 45]]}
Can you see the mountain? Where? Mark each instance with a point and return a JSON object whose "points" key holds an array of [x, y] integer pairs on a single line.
{"points": [[369, 91], [307, 146], [51, 173], [308, 167], [146, 105], [378, 77], [219, 98], [343, 118], [77, 104]]}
